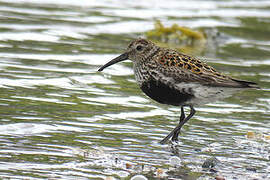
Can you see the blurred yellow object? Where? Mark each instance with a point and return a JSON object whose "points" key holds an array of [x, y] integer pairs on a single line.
{"points": [[178, 37], [160, 172], [250, 134], [128, 166], [267, 137]]}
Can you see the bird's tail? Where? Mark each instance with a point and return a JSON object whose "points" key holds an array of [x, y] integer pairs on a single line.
{"points": [[247, 84]]}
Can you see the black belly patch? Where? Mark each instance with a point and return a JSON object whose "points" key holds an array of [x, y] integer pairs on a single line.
{"points": [[164, 94]]}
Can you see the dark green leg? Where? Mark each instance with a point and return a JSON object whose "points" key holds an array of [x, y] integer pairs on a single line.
{"points": [[182, 118], [175, 132]]}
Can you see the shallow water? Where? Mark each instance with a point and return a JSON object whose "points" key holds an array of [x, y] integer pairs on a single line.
{"points": [[61, 119]]}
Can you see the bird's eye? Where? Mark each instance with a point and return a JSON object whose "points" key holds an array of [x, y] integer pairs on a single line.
{"points": [[139, 48]]}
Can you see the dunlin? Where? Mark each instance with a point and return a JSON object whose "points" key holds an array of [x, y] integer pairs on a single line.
{"points": [[171, 77]]}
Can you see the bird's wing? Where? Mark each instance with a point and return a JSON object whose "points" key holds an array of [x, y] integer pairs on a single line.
{"points": [[184, 68]]}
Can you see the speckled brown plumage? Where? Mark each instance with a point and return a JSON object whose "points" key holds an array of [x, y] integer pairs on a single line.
{"points": [[170, 57], [173, 78]]}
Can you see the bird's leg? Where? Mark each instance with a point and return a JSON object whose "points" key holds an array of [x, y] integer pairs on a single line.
{"points": [[182, 118], [179, 126]]}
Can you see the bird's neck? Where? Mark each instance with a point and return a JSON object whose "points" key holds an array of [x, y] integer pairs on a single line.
{"points": [[145, 71], [141, 72]]}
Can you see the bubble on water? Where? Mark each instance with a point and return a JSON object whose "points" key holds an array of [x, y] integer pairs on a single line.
{"points": [[175, 161], [138, 177], [123, 174]]}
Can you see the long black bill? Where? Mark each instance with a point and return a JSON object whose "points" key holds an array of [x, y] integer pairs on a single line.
{"points": [[120, 58]]}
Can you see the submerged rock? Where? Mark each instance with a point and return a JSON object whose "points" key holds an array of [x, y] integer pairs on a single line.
{"points": [[219, 178], [210, 162]]}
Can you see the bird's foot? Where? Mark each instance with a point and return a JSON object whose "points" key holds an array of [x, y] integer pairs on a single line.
{"points": [[175, 136], [175, 139]]}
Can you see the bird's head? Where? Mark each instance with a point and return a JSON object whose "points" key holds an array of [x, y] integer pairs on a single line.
{"points": [[138, 51]]}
